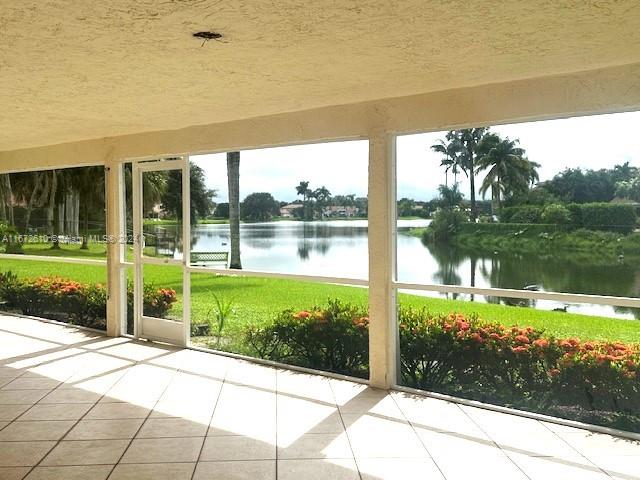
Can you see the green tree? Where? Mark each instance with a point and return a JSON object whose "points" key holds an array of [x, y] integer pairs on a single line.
{"points": [[233, 181], [260, 207], [450, 197], [89, 183], [222, 210], [508, 171], [202, 204], [304, 190], [451, 159], [323, 198]]}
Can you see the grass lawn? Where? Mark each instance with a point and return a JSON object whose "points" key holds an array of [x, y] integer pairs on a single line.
{"points": [[258, 299]]}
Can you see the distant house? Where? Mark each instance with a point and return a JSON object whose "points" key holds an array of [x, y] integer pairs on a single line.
{"points": [[340, 211], [288, 211]]}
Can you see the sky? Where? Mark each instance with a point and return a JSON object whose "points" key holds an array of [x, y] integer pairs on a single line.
{"points": [[595, 142]]}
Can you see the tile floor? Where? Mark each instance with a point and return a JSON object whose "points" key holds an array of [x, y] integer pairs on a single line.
{"points": [[76, 405]]}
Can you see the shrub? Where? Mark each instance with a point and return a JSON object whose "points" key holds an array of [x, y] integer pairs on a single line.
{"points": [[522, 214], [7, 236], [603, 216], [444, 226], [332, 338], [556, 214], [74, 302]]}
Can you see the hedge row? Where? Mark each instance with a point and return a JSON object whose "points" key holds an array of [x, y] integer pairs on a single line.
{"points": [[593, 216], [596, 382], [73, 302]]}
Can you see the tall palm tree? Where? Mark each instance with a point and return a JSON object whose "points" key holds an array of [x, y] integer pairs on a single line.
{"points": [[508, 170], [89, 183], [467, 141], [304, 190], [450, 160], [6, 199], [233, 180]]}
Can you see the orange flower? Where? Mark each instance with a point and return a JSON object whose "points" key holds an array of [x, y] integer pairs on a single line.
{"points": [[520, 349], [554, 372], [522, 339], [541, 343]]}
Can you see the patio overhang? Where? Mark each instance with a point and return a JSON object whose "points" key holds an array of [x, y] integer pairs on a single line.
{"points": [[98, 84]]}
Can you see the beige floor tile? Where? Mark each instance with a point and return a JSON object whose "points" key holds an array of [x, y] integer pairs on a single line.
{"points": [[163, 450], [545, 468], [373, 404], [61, 411], [240, 470], [13, 473], [619, 467], [105, 429], [486, 466], [236, 448], [71, 396], [90, 452], [18, 454], [450, 444], [590, 444], [41, 430], [10, 412], [172, 427], [328, 469], [31, 384], [398, 469], [262, 427], [21, 397], [317, 446], [9, 372], [76, 472], [154, 471], [112, 411]]}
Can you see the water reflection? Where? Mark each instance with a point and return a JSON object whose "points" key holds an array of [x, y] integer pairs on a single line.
{"points": [[339, 249]]}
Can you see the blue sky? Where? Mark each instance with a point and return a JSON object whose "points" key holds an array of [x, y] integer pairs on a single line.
{"points": [[589, 142]]}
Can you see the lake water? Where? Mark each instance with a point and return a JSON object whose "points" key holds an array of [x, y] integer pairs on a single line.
{"points": [[339, 248]]}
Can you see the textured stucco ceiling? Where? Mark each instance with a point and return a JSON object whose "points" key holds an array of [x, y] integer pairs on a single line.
{"points": [[78, 69]]}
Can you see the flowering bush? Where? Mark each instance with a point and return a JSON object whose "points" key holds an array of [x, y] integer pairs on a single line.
{"points": [[333, 338], [74, 302]]}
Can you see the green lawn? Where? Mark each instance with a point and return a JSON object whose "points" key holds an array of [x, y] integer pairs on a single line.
{"points": [[258, 299]]}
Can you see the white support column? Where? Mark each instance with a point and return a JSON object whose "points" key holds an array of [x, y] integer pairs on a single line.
{"points": [[114, 195], [382, 326]]}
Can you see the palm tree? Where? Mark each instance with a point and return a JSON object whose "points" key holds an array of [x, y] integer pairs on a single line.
{"points": [[89, 183], [467, 141], [451, 159], [6, 198], [508, 170], [304, 190], [233, 180]]}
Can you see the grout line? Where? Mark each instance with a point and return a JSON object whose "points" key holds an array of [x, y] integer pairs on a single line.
{"points": [[573, 448], [344, 426], [215, 406], [76, 422], [464, 412], [418, 436], [175, 372]]}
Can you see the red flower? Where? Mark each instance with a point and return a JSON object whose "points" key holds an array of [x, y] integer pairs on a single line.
{"points": [[522, 339], [541, 343]]}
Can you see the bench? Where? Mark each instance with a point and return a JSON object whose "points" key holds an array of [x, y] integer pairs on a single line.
{"points": [[207, 258]]}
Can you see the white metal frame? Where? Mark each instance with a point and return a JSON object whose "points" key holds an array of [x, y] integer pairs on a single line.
{"points": [[145, 326]]}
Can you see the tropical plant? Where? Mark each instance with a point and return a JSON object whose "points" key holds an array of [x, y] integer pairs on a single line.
{"points": [[219, 314], [233, 180], [304, 190], [508, 170], [451, 159], [322, 197]]}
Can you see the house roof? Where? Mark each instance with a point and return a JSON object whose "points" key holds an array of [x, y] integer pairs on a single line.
{"points": [[81, 70]]}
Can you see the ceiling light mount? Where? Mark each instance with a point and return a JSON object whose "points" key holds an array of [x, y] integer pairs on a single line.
{"points": [[208, 35]]}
